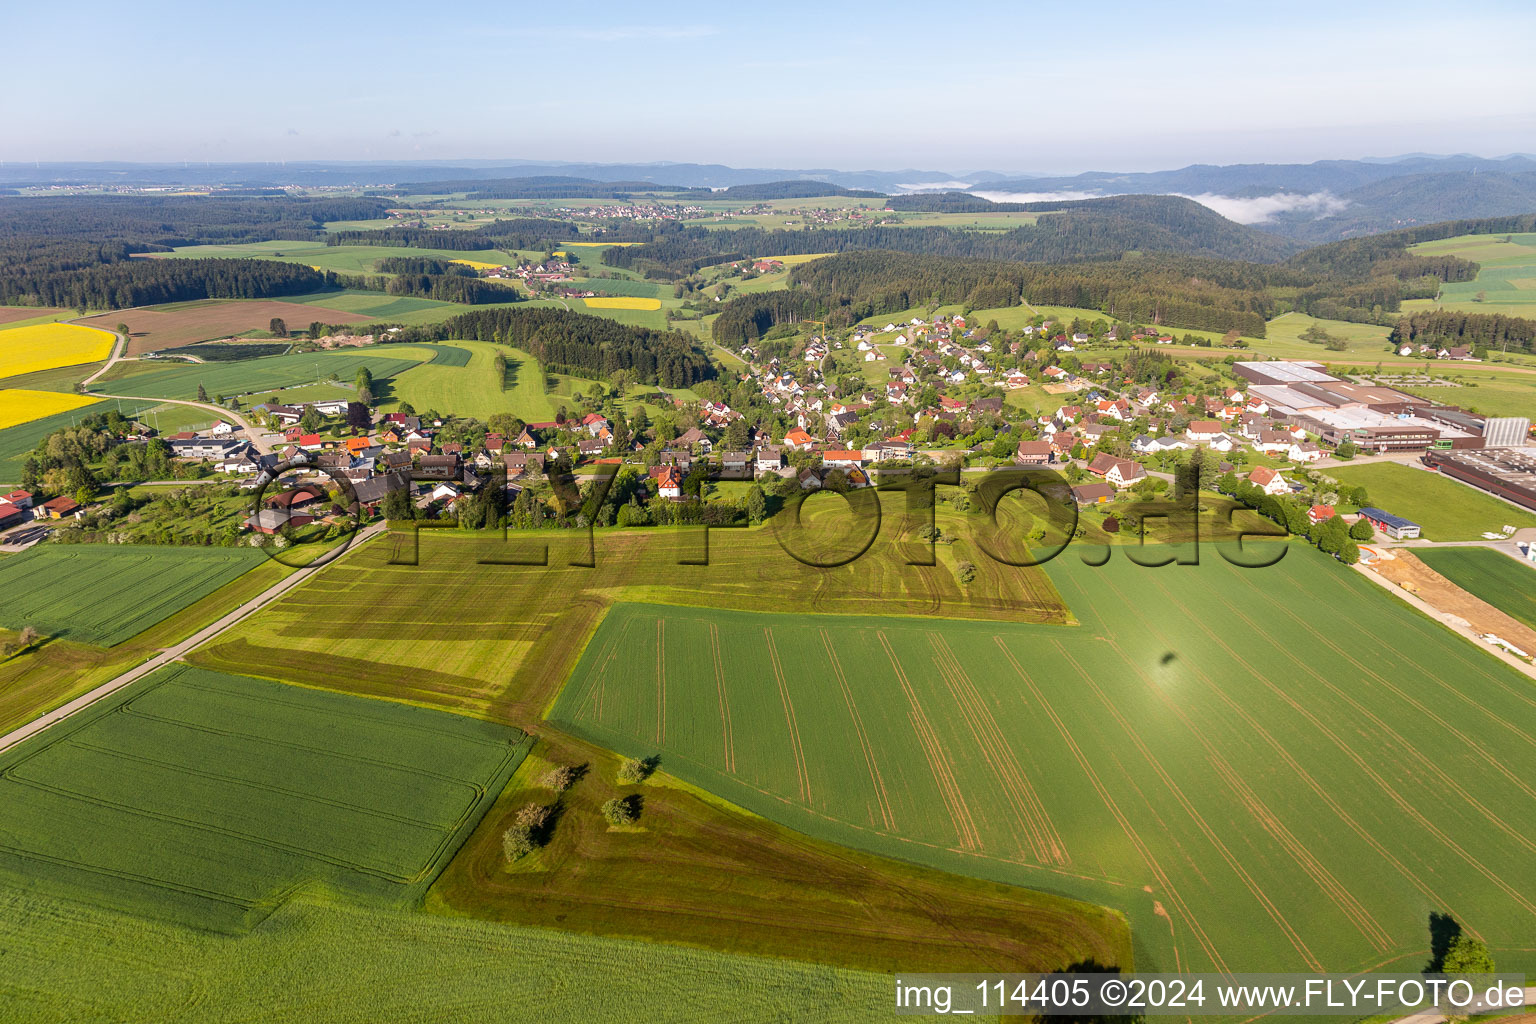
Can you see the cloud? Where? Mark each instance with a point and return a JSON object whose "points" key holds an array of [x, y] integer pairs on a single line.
{"points": [[1262, 209], [926, 186], [631, 33], [1251, 210], [1035, 197]]}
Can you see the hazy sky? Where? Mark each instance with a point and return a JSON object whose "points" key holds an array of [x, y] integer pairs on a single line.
{"points": [[1057, 87]]}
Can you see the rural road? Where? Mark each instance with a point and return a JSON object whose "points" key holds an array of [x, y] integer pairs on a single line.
{"points": [[171, 654], [118, 348], [1450, 622], [1436, 1017], [251, 433]]}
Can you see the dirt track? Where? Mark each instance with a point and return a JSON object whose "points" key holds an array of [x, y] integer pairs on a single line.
{"points": [[1436, 590]]}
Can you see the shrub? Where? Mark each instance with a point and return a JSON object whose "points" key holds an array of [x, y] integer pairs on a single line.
{"points": [[966, 571]]}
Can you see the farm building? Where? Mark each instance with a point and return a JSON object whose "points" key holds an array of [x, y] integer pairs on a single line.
{"points": [[1393, 526], [1092, 494]]}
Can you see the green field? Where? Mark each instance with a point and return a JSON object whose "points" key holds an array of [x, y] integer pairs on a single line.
{"points": [[316, 962], [1502, 581], [208, 799], [1482, 388], [103, 594], [1282, 339], [1276, 769], [268, 373], [1445, 508], [17, 441], [1507, 279]]}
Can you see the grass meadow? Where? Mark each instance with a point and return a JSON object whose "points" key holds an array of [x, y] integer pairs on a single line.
{"points": [[1507, 584], [317, 961], [1445, 508], [103, 594], [1252, 765], [207, 799]]}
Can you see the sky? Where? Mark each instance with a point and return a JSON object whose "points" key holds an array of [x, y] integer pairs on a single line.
{"points": [[1047, 88]]}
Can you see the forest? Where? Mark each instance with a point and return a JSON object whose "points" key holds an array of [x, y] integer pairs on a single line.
{"points": [[1476, 330], [1183, 292], [578, 344], [147, 282]]}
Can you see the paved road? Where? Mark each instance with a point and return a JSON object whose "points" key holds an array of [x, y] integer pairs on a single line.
{"points": [[256, 437], [118, 348], [1436, 1017], [171, 654]]}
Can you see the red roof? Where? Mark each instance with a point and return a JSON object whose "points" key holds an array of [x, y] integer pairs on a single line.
{"points": [[1317, 513], [1262, 476], [669, 477], [308, 439]]}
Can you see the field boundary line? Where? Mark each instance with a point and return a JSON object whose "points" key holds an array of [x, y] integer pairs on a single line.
{"points": [[933, 749], [1405, 805], [881, 798], [1194, 812], [1114, 809], [1326, 881], [1043, 838], [1413, 752], [789, 717], [661, 682], [725, 704]]}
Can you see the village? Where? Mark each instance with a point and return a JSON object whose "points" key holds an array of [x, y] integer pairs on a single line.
{"points": [[841, 412]]}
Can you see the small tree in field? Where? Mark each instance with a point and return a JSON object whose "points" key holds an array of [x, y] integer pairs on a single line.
{"points": [[636, 770], [527, 831], [278, 328], [1362, 530], [559, 778], [620, 811]]}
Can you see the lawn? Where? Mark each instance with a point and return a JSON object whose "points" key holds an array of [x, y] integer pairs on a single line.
{"points": [[103, 594], [1502, 581], [208, 799], [45, 346], [1445, 508], [320, 962], [18, 406], [1232, 757], [1492, 391]]}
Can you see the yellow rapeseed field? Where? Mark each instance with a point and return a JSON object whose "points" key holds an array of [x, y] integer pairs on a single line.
{"points": [[478, 265], [19, 406], [29, 349], [623, 302]]}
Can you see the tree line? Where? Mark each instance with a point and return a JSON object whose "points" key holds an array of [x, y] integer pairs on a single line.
{"points": [[1474, 330], [574, 343], [148, 282]]}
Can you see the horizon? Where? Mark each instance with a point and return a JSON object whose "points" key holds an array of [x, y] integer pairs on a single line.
{"points": [[760, 94]]}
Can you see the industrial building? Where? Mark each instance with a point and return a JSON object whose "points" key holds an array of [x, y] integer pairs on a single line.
{"points": [[1377, 419], [1507, 472]]}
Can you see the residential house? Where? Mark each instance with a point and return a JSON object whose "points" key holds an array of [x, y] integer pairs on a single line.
{"points": [[1320, 513], [1269, 481], [1033, 453], [669, 483], [1120, 472], [1201, 431]]}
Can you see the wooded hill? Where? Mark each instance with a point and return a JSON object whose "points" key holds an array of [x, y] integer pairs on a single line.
{"points": [[574, 343], [1093, 229]]}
